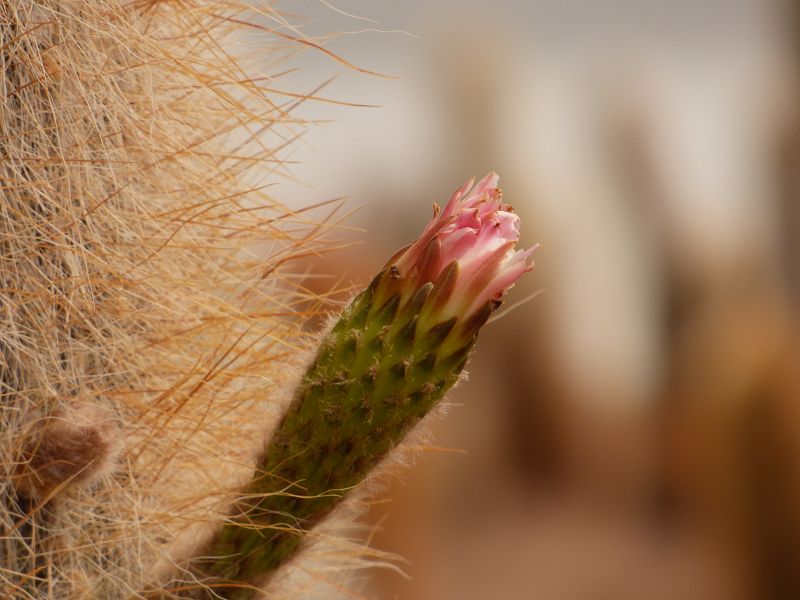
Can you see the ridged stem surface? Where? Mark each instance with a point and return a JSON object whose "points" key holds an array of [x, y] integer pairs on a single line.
{"points": [[381, 368]]}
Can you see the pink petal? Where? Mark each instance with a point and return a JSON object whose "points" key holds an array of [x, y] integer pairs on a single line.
{"points": [[479, 232]]}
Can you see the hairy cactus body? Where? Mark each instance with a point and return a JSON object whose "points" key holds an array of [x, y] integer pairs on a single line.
{"points": [[143, 323]]}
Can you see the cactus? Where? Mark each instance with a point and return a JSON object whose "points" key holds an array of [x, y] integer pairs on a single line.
{"points": [[392, 355]]}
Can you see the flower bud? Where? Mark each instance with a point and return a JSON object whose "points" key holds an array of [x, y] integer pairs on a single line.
{"points": [[467, 251]]}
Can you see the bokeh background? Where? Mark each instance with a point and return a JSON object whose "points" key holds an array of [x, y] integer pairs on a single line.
{"points": [[633, 431]]}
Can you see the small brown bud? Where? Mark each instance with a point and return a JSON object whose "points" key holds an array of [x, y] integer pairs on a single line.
{"points": [[75, 445]]}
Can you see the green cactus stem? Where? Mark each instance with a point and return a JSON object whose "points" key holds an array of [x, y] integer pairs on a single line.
{"points": [[393, 354]]}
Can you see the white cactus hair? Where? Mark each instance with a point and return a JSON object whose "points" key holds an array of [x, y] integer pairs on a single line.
{"points": [[146, 301]]}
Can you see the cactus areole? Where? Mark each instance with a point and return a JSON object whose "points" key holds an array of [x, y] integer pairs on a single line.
{"points": [[392, 355]]}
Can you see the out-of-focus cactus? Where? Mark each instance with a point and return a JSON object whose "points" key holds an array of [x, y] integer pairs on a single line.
{"points": [[392, 355]]}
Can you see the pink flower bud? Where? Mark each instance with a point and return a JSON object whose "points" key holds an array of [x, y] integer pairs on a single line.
{"points": [[476, 231]]}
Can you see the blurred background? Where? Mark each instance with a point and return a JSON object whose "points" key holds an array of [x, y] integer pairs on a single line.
{"points": [[633, 431]]}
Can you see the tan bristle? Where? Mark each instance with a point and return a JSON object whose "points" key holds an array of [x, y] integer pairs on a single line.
{"points": [[149, 319]]}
